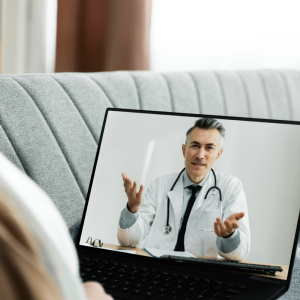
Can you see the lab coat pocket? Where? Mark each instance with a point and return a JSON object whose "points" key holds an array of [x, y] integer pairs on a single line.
{"points": [[206, 225]]}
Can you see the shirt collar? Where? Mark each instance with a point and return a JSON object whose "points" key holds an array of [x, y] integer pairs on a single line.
{"points": [[187, 181]]}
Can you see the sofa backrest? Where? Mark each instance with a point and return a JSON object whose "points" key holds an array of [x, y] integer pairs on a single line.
{"points": [[50, 123]]}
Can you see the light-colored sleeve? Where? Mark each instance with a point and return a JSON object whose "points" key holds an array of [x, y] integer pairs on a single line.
{"points": [[237, 246], [127, 218], [131, 236]]}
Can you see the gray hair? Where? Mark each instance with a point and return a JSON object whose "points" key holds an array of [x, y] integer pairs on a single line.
{"points": [[207, 123]]}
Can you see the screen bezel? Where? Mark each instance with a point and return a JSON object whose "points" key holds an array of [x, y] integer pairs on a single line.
{"points": [[144, 258]]}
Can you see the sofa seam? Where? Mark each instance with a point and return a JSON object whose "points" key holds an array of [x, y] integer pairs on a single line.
{"points": [[101, 88], [77, 109], [170, 93], [73, 226], [287, 93], [80, 188], [222, 91], [265, 93], [241, 78], [14, 149], [137, 90], [197, 91]]}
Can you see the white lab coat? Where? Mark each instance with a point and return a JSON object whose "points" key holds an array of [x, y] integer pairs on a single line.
{"points": [[148, 228]]}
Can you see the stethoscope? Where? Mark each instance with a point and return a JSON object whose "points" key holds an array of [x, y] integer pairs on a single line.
{"points": [[167, 229]]}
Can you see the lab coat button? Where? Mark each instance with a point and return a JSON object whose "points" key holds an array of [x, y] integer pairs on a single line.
{"points": [[173, 237]]}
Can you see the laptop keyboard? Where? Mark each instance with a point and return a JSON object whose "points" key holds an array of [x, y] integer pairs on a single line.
{"points": [[133, 282]]}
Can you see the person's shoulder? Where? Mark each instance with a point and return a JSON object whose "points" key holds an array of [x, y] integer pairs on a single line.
{"points": [[167, 178], [227, 178], [164, 181]]}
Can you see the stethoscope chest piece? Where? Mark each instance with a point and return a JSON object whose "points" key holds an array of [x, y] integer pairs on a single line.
{"points": [[167, 229]]}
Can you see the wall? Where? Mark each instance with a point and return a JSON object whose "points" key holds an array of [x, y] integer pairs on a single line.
{"points": [[216, 35]]}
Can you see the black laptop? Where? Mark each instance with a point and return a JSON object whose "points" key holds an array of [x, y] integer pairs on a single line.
{"points": [[132, 254]]}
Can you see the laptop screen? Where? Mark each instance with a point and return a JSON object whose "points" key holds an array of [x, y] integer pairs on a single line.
{"points": [[246, 210]]}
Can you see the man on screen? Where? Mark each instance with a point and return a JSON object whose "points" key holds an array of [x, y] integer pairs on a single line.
{"points": [[200, 226]]}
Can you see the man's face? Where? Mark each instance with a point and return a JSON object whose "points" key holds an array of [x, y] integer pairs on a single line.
{"points": [[200, 152]]}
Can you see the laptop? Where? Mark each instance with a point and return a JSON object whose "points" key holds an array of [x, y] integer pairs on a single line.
{"points": [[129, 246]]}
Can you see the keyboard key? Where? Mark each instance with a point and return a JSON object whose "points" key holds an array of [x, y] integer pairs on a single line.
{"points": [[138, 285], [200, 297], [157, 276], [104, 279], [113, 286], [160, 296], [110, 274], [167, 284], [192, 289], [92, 276], [87, 269], [203, 291], [99, 272], [116, 280], [131, 278], [83, 274], [133, 272], [125, 288], [143, 280], [145, 275], [148, 293], [174, 292], [155, 282], [136, 291], [232, 291], [162, 290], [90, 264], [127, 283], [180, 287], [186, 295], [86, 258]]}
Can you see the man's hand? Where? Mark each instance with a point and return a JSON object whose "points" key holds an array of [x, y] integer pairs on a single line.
{"points": [[134, 198], [229, 225]]}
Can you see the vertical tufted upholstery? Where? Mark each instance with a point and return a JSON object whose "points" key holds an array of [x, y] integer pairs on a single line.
{"points": [[50, 123]]}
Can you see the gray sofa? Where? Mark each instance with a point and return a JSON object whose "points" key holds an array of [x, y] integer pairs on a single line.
{"points": [[50, 123]]}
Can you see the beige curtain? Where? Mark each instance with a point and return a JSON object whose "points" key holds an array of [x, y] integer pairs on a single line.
{"points": [[103, 35]]}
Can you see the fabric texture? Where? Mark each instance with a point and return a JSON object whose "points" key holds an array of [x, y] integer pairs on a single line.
{"points": [[49, 231]]}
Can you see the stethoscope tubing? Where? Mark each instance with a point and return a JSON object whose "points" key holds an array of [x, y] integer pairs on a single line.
{"points": [[213, 187]]}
